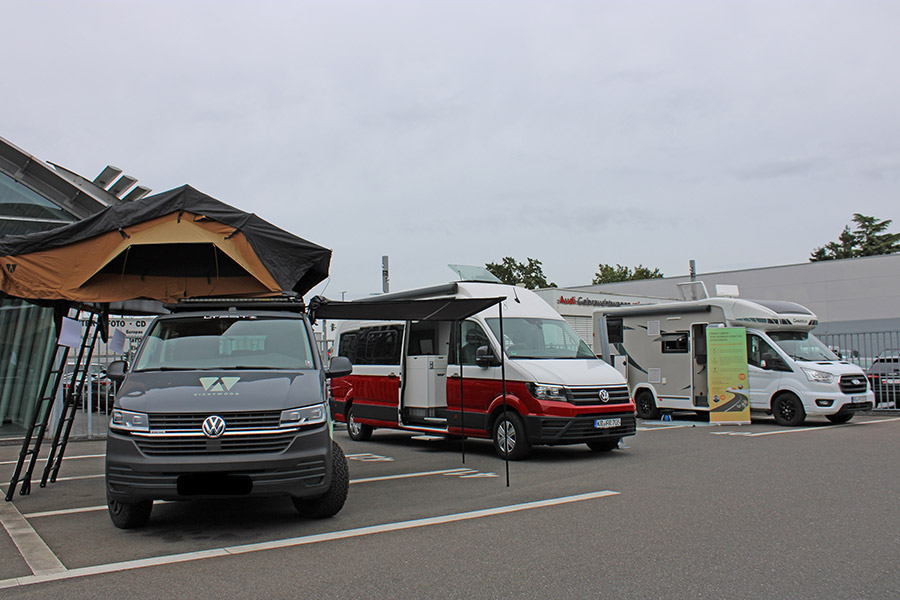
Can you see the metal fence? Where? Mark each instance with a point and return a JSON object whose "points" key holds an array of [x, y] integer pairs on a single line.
{"points": [[878, 353]]}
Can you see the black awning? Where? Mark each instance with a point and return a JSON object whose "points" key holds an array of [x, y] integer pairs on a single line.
{"points": [[432, 309]]}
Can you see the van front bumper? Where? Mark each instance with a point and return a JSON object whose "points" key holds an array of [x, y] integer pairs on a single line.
{"points": [[832, 404], [302, 470], [577, 430]]}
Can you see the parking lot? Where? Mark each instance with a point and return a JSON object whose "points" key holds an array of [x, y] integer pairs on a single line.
{"points": [[684, 510]]}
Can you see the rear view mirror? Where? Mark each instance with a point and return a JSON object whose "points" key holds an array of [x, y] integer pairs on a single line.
{"points": [[116, 370], [485, 358], [340, 366]]}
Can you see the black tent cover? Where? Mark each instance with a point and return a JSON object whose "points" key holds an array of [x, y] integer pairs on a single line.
{"points": [[432, 309], [294, 263]]}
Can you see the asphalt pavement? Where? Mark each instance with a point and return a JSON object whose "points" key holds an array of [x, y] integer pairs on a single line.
{"points": [[683, 510]]}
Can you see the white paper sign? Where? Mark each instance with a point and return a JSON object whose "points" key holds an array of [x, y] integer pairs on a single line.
{"points": [[70, 333], [117, 342]]}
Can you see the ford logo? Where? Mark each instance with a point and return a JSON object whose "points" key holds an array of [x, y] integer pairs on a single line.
{"points": [[213, 426]]}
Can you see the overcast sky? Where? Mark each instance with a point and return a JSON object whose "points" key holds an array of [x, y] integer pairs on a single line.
{"points": [[738, 134]]}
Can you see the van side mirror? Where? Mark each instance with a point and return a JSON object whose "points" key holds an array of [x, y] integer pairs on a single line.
{"points": [[340, 366], [116, 370], [485, 358]]}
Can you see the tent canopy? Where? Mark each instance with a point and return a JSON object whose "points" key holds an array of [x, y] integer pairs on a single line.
{"points": [[435, 309], [177, 244]]}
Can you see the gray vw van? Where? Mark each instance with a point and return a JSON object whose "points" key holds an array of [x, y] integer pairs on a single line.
{"points": [[224, 399]]}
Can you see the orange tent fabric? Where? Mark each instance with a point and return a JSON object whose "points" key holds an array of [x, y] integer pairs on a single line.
{"points": [[174, 245]]}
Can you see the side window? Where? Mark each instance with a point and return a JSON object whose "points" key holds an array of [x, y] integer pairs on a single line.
{"points": [[758, 350], [675, 343], [348, 345], [614, 330], [379, 345], [473, 336]]}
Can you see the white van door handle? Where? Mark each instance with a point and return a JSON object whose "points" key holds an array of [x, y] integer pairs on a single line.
{"points": [[392, 375]]}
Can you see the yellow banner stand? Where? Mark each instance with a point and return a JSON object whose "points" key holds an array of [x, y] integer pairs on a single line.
{"points": [[729, 386]]}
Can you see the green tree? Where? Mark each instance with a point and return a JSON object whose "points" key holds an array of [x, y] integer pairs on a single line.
{"points": [[610, 274], [512, 272], [869, 238]]}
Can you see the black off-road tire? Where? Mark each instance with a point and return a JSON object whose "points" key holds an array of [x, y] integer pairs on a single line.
{"points": [[129, 515], [331, 502]]}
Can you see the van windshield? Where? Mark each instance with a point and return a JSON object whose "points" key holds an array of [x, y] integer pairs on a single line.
{"points": [[226, 342], [802, 345], [539, 338]]}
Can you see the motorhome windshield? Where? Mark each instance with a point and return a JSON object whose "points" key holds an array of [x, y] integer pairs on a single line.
{"points": [[802, 345], [539, 338], [226, 342]]}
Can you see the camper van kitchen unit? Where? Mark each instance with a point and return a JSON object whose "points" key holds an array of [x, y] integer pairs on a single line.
{"points": [[447, 377], [791, 373]]}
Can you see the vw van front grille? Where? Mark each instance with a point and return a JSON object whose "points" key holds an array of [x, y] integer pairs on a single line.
{"points": [[192, 445], [234, 420], [582, 428], [591, 395]]}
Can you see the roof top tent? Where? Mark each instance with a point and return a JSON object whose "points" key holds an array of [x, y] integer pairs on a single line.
{"points": [[523, 344], [791, 373], [156, 249]]}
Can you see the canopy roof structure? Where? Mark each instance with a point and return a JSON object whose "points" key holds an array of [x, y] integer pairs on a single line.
{"points": [[177, 244], [413, 309]]}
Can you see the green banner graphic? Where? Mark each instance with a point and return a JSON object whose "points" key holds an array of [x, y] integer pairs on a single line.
{"points": [[729, 386]]}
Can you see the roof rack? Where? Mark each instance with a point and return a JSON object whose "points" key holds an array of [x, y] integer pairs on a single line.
{"points": [[288, 301]]}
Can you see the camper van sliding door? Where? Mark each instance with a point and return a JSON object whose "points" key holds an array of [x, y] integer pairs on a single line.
{"points": [[377, 371]]}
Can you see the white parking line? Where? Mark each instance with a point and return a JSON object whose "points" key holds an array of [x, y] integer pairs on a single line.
{"points": [[298, 541], [12, 462], [38, 556], [804, 429], [462, 472]]}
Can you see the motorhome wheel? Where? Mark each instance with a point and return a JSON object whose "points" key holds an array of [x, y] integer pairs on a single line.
{"points": [[332, 501], [356, 430], [646, 407], [840, 417], [788, 410], [604, 445], [510, 439]]}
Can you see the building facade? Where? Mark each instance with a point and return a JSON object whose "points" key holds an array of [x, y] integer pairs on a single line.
{"points": [[38, 196]]}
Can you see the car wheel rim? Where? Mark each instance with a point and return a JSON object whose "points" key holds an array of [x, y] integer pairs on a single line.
{"points": [[354, 426], [506, 436]]}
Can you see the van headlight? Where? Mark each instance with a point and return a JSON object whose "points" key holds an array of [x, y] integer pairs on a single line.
{"points": [[542, 391], [125, 420], [818, 376], [305, 415]]}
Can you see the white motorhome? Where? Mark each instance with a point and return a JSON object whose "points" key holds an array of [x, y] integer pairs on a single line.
{"points": [[791, 373], [447, 377]]}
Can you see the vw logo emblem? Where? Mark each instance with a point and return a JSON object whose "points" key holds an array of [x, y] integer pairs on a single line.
{"points": [[213, 426], [604, 396]]}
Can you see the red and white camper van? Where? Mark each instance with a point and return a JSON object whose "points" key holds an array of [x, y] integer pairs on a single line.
{"points": [[448, 377]]}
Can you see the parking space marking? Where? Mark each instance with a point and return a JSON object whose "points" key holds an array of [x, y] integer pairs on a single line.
{"points": [[369, 457], [803, 429], [298, 541], [463, 472], [12, 462], [38, 556]]}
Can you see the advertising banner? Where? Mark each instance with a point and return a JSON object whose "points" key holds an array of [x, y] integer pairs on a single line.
{"points": [[729, 386]]}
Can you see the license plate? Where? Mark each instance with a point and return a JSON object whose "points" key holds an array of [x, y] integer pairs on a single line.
{"points": [[607, 423], [856, 399]]}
